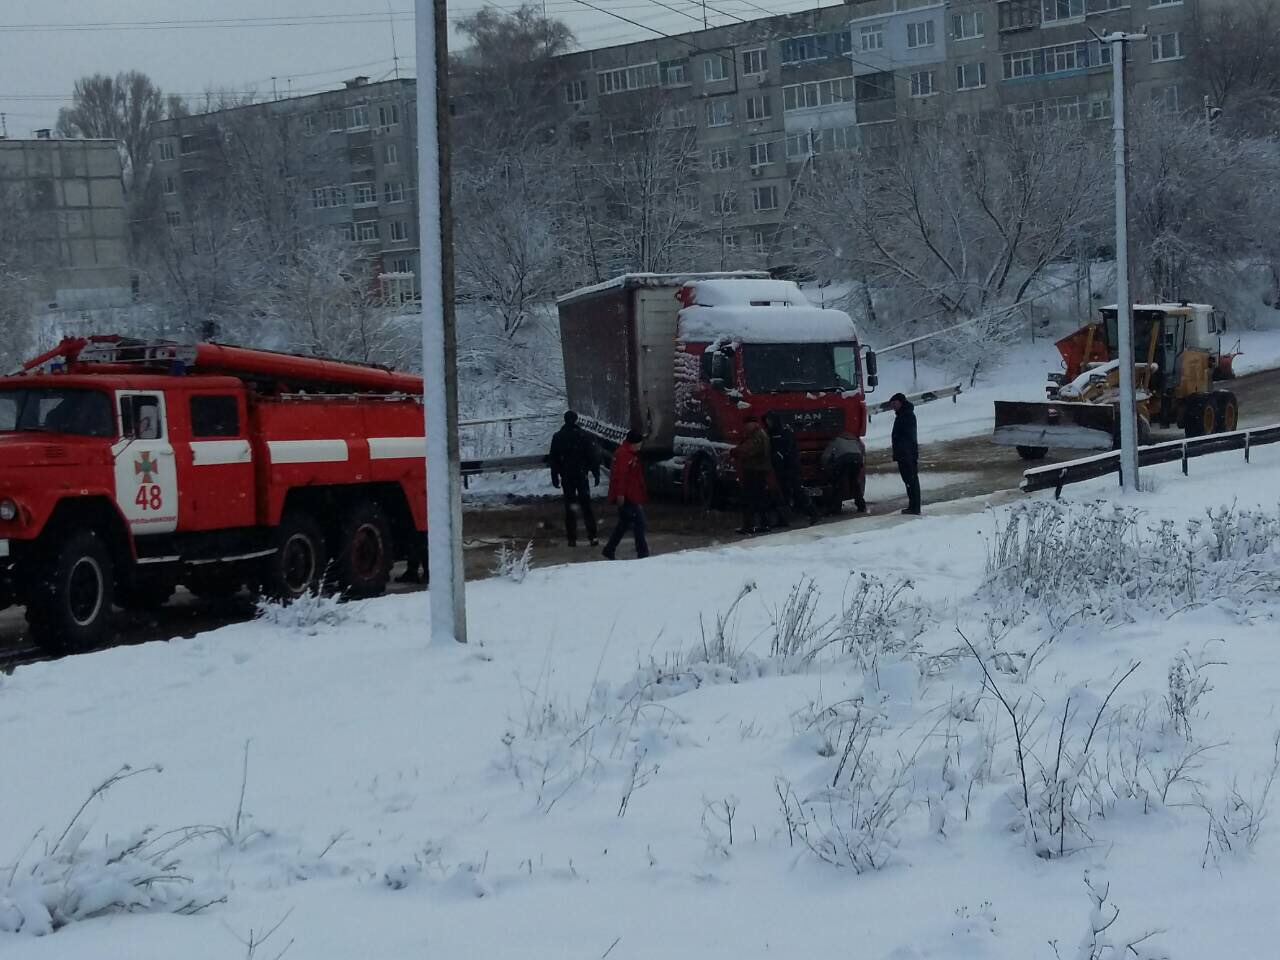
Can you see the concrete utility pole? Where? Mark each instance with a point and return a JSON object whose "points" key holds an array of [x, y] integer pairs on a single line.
{"points": [[1124, 299], [439, 339]]}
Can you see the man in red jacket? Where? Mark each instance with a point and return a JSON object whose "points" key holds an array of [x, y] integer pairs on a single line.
{"points": [[627, 490]]}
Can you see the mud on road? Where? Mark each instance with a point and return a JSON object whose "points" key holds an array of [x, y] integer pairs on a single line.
{"points": [[950, 471]]}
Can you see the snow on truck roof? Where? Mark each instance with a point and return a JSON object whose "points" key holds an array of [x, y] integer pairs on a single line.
{"points": [[673, 280], [1164, 307], [760, 311]]}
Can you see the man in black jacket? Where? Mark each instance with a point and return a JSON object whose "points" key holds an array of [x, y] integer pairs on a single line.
{"points": [[573, 456], [906, 451], [786, 468]]}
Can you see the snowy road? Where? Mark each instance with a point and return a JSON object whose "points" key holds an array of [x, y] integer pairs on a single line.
{"points": [[968, 474]]}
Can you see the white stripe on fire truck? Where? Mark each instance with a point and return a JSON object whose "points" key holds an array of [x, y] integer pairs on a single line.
{"points": [[307, 451], [209, 453], [397, 448]]}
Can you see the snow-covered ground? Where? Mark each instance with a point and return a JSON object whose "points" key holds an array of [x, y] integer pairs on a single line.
{"points": [[604, 771]]}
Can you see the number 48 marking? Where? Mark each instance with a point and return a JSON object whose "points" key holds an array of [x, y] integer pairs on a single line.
{"points": [[149, 497]]}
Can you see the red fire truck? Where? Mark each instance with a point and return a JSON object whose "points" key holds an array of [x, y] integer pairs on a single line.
{"points": [[129, 467]]}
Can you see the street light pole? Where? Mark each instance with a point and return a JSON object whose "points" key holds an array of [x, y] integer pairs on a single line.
{"points": [[1124, 299], [439, 339]]}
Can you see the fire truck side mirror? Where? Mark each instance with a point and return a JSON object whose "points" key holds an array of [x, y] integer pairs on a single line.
{"points": [[873, 376]]}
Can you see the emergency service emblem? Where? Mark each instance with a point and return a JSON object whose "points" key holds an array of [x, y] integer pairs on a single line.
{"points": [[146, 466]]}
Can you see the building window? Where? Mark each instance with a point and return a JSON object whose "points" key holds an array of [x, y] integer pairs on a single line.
{"points": [[1053, 110], [402, 265], [722, 158], [760, 240], [170, 185], [388, 115], [188, 145], [337, 121], [875, 86], [1055, 11], [399, 231], [391, 154], [759, 107], [367, 230], [798, 146], [922, 84], [674, 73], [1100, 105], [1059, 59], [755, 61], [764, 198], [719, 112], [166, 150], [817, 46], [872, 36], [760, 154], [575, 91], [1170, 98], [364, 194], [967, 26], [393, 192], [358, 117], [322, 198], [877, 136], [1166, 46], [730, 241], [724, 204], [309, 124], [971, 76], [173, 218], [715, 68], [679, 116], [920, 33], [627, 78], [818, 93]]}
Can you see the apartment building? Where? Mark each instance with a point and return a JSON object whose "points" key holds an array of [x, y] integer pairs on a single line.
{"points": [[766, 98], [70, 195], [351, 157]]}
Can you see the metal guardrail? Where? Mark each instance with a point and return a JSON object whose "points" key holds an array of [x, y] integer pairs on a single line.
{"points": [[1058, 475], [924, 396], [528, 461]]}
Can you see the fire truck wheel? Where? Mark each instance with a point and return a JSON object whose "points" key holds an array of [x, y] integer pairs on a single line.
{"points": [[365, 551], [297, 567], [73, 595]]}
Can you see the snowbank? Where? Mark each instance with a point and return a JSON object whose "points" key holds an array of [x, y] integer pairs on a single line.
{"points": [[641, 760]]}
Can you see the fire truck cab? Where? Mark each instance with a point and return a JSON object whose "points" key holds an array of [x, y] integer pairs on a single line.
{"points": [[128, 468]]}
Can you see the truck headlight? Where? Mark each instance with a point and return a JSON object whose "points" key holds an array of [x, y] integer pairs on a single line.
{"points": [[8, 510]]}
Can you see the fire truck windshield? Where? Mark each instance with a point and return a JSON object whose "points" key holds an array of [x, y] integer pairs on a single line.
{"points": [[84, 413], [800, 367]]}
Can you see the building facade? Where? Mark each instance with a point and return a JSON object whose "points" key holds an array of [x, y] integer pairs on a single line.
{"points": [[350, 158], [69, 195], [766, 98]]}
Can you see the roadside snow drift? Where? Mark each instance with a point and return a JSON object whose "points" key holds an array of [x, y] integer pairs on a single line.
{"points": [[1040, 730]]}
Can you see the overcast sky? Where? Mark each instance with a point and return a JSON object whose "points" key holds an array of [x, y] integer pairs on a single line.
{"points": [[189, 46]]}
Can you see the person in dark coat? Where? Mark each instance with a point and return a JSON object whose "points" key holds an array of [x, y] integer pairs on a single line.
{"points": [[786, 468], [573, 456], [755, 466], [906, 451], [627, 490], [843, 464]]}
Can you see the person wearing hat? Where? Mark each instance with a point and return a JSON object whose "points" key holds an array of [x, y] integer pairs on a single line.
{"points": [[573, 456], [755, 465], [906, 451], [627, 490]]}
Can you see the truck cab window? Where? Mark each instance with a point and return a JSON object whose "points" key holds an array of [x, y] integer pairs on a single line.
{"points": [[215, 417], [140, 418], [84, 413]]}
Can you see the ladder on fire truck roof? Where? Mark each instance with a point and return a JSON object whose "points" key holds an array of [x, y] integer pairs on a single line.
{"points": [[291, 371]]}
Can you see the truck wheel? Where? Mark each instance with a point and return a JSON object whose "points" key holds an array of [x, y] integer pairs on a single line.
{"points": [[706, 484], [1201, 417], [298, 565], [69, 610], [1032, 453], [1228, 410], [365, 551]]}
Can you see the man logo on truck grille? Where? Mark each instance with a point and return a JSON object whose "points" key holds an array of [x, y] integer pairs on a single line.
{"points": [[146, 466]]}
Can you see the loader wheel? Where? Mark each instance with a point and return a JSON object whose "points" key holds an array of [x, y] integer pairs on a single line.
{"points": [[1228, 410], [365, 551], [1201, 418], [297, 567], [1032, 453], [71, 598]]}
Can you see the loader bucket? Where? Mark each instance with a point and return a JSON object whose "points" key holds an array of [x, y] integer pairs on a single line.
{"points": [[1071, 426]]}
